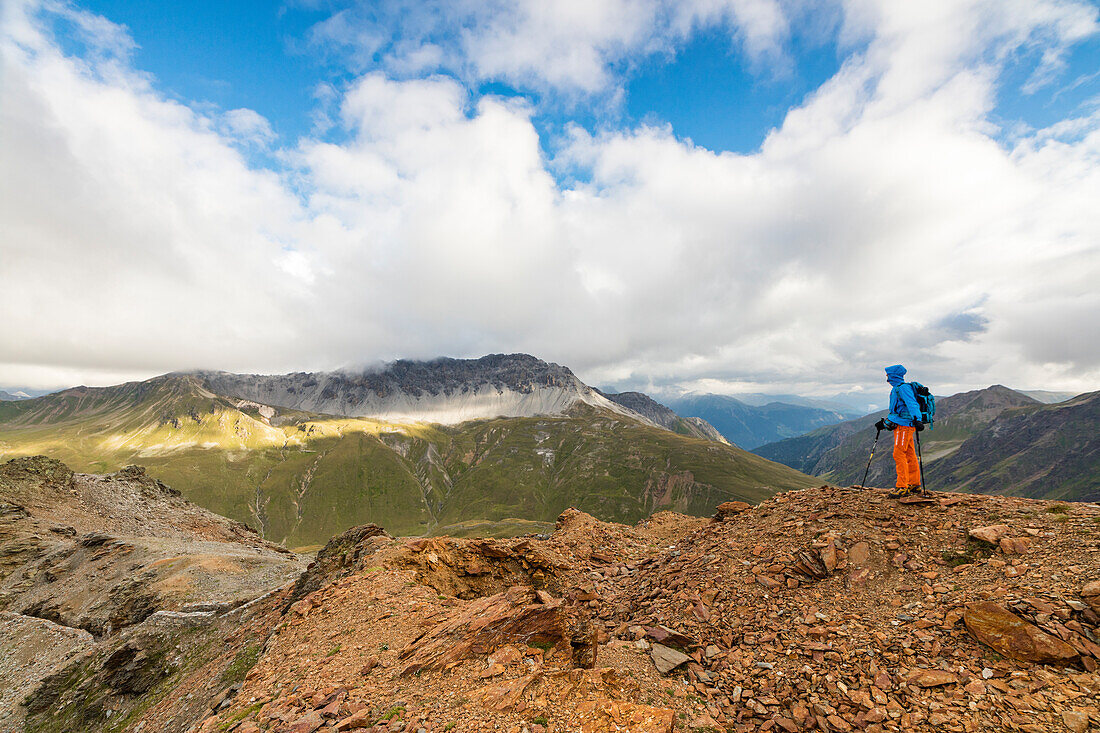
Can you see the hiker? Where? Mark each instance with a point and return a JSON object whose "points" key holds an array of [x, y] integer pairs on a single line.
{"points": [[905, 421]]}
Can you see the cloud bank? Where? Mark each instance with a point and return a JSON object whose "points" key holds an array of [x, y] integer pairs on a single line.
{"points": [[887, 219]]}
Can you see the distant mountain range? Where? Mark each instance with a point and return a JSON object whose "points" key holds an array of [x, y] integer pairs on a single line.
{"points": [[750, 426], [13, 396], [1046, 396], [1045, 451], [842, 404], [994, 440], [501, 444]]}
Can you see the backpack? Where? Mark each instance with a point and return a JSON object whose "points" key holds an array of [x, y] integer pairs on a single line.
{"points": [[926, 401]]}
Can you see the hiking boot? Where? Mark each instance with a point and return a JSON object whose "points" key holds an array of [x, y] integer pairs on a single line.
{"points": [[901, 491], [914, 489]]}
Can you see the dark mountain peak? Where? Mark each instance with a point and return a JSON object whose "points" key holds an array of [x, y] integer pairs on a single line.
{"points": [[642, 404], [521, 373], [443, 390], [444, 375]]}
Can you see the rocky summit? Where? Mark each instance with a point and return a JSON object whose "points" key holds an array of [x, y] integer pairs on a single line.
{"points": [[825, 609]]}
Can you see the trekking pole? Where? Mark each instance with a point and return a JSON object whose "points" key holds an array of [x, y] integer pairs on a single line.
{"points": [[920, 462], [863, 483]]}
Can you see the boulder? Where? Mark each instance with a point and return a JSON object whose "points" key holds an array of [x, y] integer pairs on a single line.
{"points": [[859, 555], [1008, 634], [1014, 545], [361, 719], [307, 723], [666, 636]]}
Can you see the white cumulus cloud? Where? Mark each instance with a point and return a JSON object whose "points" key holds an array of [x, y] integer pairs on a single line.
{"points": [[885, 220]]}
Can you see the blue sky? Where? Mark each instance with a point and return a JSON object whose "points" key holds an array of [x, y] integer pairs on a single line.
{"points": [[260, 55], [713, 194]]}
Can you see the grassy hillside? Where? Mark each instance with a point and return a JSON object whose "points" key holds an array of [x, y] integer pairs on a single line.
{"points": [[301, 478]]}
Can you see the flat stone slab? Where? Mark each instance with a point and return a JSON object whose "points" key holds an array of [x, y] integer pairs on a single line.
{"points": [[1008, 634], [667, 659]]}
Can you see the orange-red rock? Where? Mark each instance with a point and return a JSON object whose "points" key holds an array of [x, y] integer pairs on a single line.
{"points": [[991, 534], [503, 619]]}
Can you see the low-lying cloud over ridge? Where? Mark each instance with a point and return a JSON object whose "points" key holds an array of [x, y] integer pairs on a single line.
{"points": [[888, 219]]}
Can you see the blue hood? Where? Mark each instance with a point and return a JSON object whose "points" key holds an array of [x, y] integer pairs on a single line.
{"points": [[895, 375]]}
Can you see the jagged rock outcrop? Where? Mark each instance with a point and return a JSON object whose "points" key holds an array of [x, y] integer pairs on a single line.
{"points": [[518, 616], [341, 556]]}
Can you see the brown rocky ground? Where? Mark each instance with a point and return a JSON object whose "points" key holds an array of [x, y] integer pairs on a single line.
{"points": [[826, 609]]}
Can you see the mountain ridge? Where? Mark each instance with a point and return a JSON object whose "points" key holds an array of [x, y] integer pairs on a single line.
{"points": [[659, 414], [444, 390], [1048, 451], [301, 477]]}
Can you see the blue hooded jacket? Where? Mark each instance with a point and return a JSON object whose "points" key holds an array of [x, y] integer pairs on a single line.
{"points": [[904, 409]]}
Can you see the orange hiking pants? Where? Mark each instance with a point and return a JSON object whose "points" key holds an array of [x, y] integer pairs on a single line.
{"points": [[905, 457]]}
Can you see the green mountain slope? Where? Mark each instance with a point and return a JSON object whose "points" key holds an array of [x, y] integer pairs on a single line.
{"points": [[300, 478], [1046, 451], [839, 452]]}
